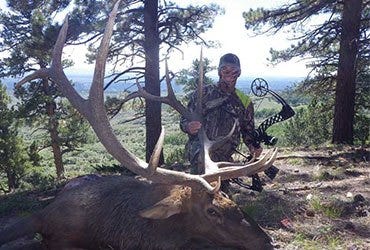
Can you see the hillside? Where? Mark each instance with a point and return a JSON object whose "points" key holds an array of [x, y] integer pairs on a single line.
{"points": [[319, 200]]}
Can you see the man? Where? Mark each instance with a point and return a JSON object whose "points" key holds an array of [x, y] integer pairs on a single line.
{"points": [[222, 105]]}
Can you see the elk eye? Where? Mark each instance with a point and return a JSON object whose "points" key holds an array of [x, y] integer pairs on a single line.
{"points": [[212, 212]]}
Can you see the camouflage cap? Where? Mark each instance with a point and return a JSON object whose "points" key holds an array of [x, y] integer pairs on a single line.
{"points": [[229, 59]]}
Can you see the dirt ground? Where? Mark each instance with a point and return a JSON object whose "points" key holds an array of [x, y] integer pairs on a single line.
{"points": [[320, 199]]}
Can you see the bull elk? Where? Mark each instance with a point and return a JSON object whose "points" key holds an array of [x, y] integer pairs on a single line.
{"points": [[159, 209]]}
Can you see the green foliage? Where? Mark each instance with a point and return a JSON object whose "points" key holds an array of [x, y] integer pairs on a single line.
{"points": [[362, 130], [265, 112], [176, 155], [73, 129], [189, 78], [113, 169], [32, 102], [295, 97], [362, 117], [310, 125], [320, 41], [34, 155], [330, 241], [29, 47], [20, 203], [29, 44], [267, 207], [13, 153], [38, 178], [178, 138]]}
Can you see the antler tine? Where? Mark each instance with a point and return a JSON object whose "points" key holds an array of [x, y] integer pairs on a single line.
{"points": [[59, 45], [170, 99], [209, 165], [96, 93], [198, 107], [204, 156], [168, 80], [219, 142], [227, 171], [154, 158], [41, 73]]}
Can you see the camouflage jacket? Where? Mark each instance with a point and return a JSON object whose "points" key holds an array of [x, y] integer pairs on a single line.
{"points": [[220, 109]]}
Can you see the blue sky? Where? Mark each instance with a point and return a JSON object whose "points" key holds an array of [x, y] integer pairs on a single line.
{"points": [[229, 31]]}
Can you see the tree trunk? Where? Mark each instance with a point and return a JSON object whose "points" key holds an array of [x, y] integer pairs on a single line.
{"points": [[53, 131], [55, 140], [344, 109], [12, 183], [152, 85]]}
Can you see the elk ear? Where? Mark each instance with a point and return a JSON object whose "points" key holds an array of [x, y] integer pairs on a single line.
{"points": [[163, 209]]}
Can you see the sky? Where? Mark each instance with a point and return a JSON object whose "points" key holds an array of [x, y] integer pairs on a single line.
{"points": [[229, 31]]}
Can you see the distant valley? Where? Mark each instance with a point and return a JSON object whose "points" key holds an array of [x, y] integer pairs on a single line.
{"points": [[82, 84]]}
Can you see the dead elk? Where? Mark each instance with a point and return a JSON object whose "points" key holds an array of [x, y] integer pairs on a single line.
{"points": [[119, 212]]}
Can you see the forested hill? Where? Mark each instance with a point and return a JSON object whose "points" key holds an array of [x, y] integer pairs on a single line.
{"points": [[82, 83]]}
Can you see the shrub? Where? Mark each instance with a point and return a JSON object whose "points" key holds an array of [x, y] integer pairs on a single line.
{"points": [[176, 156], [38, 178], [310, 126], [361, 128]]}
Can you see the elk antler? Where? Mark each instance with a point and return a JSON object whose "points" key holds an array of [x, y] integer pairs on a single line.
{"points": [[92, 108]]}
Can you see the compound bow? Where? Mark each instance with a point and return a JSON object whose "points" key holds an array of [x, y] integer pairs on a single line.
{"points": [[260, 88]]}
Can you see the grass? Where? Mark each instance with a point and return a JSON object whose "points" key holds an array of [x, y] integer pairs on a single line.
{"points": [[328, 208], [330, 174], [327, 242], [295, 161], [23, 203], [268, 208]]}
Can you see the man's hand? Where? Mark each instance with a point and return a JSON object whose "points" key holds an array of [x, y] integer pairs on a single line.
{"points": [[193, 127], [256, 151]]}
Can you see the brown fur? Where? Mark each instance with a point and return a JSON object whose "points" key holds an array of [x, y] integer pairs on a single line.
{"points": [[120, 212]]}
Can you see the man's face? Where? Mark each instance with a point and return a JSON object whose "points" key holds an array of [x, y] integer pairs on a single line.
{"points": [[228, 75]]}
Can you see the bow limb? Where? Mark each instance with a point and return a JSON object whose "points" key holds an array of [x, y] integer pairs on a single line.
{"points": [[285, 113]]}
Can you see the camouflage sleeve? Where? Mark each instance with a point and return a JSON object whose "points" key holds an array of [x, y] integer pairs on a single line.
{"points": [[191, 106], [247, 125]]}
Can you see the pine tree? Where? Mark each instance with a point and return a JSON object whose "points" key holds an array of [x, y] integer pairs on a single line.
{"points": [[13, 153], [29, 34], [338, 46], [188, 78]]}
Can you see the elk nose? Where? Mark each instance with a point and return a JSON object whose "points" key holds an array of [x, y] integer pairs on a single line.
{"points": [[269, 246]]}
